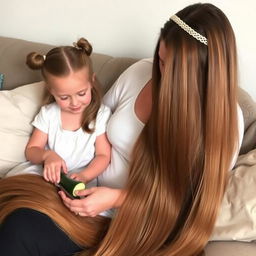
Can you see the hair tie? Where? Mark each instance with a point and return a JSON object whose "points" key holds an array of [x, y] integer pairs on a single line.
{"points": [[76, 46]]}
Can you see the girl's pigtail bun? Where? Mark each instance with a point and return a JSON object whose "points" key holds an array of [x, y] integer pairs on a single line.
{"points": [[84, 45], [35, 60]]}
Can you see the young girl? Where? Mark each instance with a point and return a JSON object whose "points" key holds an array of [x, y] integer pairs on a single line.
{"points": [[69, 132]]}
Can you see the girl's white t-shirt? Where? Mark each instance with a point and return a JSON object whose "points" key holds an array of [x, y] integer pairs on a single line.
{"points": [[77, 148]]}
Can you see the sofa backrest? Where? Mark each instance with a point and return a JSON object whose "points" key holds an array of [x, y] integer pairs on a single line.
{"points": [[13, 54]]}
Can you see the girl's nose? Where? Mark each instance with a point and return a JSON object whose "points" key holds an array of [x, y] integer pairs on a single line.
{"points": [[74, 101]]}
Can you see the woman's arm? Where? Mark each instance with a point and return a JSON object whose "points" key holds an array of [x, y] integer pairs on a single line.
{"points": [[97, 200]]}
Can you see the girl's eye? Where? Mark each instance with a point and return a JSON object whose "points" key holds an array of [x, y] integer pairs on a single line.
{"points": [[63, 97], [81, 93]]}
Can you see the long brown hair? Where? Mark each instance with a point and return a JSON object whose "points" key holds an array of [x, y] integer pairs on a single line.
{"points": [[60, 62], [180, 162], [32, 191]]}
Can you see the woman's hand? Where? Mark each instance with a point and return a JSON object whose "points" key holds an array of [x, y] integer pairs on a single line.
{"points": [[97, 200], [53, 164]]}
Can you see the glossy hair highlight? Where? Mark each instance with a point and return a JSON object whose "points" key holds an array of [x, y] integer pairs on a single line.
{"points": [[32, 191], [180, 163]]}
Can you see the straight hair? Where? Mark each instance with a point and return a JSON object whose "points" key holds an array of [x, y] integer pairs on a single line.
{"points": [[179, 168]]}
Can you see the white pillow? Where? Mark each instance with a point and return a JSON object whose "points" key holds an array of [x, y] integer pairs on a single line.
{"points": [[237, 216], [17, 110]]}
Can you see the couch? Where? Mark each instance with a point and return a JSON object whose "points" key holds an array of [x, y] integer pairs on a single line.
{"points": [[20, 98]]}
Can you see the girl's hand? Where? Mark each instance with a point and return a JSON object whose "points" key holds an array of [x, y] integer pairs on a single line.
{"points": [[80, 176], [53, 164], [97, 200]]}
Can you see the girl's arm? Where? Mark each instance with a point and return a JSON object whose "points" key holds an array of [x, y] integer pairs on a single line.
{"points": [[99, 162], [36, 153], [35, 149]]}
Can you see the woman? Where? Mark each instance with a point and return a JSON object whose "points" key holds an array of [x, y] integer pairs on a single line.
{"points": [[185, 128]]}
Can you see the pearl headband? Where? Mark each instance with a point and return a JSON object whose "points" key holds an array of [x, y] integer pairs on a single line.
{"points": [[188, 29]]}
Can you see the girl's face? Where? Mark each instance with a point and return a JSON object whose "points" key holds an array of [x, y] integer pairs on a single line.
{"points": [[73, 92]]}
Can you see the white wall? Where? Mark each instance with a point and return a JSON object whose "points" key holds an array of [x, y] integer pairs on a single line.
{"points": [[121, 28]]}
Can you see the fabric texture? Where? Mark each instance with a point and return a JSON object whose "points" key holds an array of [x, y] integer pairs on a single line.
{"points": [[18, 107], [248, 106], [237, 216]]}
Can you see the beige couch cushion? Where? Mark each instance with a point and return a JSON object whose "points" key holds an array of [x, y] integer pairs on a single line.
{"points": [[229, 248], [18, 108], [248, 107], [237, 216]]}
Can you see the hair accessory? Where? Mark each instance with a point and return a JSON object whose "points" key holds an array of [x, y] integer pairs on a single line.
{"points": [[44, 56], [188, 29], [76, 46]]}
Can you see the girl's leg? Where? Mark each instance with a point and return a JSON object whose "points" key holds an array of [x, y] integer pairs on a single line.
{"points": [[28, 232]]}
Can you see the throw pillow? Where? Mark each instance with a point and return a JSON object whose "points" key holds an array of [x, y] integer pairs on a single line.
{"points": [[18, 108], [237, 216]]}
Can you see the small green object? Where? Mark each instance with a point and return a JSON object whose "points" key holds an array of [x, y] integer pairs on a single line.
{"points": [[70, 186]]}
